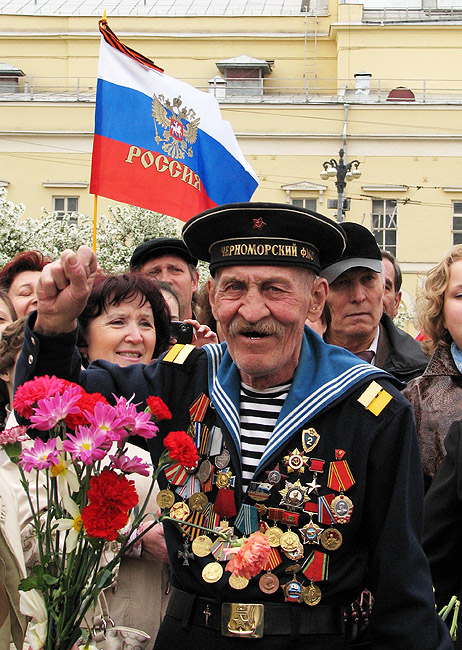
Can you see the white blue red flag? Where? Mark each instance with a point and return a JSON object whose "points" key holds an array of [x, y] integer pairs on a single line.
{"points": [[160, 143]]}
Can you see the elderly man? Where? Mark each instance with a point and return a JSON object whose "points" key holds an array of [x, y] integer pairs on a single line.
{"points": [[295, 437], [393, 280], [356, 320], [169, 260]]}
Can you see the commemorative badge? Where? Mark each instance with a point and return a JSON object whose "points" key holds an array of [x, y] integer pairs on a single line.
{"points": [[331, 539], [292, 591], [310, 438]]}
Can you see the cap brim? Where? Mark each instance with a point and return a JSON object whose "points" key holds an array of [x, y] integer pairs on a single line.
{"points": [[332, 272]]}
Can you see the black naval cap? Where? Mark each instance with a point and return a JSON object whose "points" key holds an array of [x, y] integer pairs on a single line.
{"points": [[361, 251], [276, 234], [153, 248]]}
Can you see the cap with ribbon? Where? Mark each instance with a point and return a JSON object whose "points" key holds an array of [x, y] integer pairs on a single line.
{"points": [[275, 234]]}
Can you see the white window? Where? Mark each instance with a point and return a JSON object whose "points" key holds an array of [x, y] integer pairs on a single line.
{"points": [[457, 223], [66, 205], [385, 223]]}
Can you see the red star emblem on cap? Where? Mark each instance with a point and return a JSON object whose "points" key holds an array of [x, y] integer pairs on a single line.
{"points": [[259, 223]]}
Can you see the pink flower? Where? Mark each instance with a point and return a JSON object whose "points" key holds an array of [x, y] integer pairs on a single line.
{"points": [[127, 465], [10, 436], [49, 412], [106, 418], [88, 444], [27, 395], [41, 455], [251, 558], [134, 423]]}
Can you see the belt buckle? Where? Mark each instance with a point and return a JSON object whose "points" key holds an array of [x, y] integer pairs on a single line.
{"points": [[243, 620]]}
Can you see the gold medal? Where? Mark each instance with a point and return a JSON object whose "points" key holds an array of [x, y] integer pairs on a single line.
{"points": [[331, 539], [198, 501], [223, 478], [274, 535], [289, 541], [311, 595], [201, 546], [238, 582], [165, 499], [212, 572], [269, 583], [180, 511]]}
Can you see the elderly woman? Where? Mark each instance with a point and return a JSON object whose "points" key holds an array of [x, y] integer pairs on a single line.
{"points": [[436, 396]]}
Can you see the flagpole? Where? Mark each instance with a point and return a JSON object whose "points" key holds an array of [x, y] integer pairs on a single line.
{"points": [[95, 217]]}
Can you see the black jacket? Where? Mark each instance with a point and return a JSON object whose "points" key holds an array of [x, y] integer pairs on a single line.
{"points": [[398, 353]]}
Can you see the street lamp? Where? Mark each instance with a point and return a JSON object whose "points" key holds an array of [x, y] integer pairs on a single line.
{"points": [[343, 172]]}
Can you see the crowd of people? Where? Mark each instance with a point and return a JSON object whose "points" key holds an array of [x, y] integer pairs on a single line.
{"points": [[329, 422]]}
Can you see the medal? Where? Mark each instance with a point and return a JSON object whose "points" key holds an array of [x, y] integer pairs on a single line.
{"points": [[274, 476], [180, 511], [268, 583], [224, 478], [311, 533], [295, 461], [204, 471], [238, 582], [292, 591], [331, 539], [185, 553], [295, 554], [165, 499], [311, 595], [294, 495], [222, 460], [198, 501], [289, 541], [342, 508], [202, 545], [274, 535], [259, 491], [212, 572]]}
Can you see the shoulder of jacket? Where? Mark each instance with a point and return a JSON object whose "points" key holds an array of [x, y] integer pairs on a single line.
{"points": [[374, 398], [182, 355]]}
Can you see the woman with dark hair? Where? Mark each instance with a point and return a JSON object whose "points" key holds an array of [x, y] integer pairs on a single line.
{"points": [[126, 320], [19, 278]]}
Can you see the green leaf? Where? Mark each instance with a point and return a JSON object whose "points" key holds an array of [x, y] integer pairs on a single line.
{"points": [[26, 584]]}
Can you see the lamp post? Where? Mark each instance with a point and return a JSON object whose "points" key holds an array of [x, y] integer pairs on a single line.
{"points": [[343, 172]]}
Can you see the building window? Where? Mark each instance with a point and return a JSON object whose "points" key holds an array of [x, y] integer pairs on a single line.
{"points": [[66, 205], [385, 223], [309, 204], [457, 223]]}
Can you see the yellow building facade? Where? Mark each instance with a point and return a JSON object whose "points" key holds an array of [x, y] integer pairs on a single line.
{"points": [[298, 80]]}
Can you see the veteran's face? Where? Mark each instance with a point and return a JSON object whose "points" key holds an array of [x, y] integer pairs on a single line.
{"points": [[262, 312], [176, 272], [355, 304]]}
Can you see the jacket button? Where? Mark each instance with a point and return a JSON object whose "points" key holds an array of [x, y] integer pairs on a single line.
{"points": [[30, 359]]}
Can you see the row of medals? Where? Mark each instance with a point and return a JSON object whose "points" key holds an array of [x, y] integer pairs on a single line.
{"points": [[289, 541]]}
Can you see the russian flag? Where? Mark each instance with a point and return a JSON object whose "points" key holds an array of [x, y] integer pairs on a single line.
{"points": [[160, 143]]}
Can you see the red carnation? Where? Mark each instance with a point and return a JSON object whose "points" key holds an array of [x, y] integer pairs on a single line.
{"points": [[110, 497], [159, 409], [27, 395], [87, 402], [181, 448]]}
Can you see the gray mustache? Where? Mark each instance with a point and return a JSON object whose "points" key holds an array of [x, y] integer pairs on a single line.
{"points": [[240, 325]]}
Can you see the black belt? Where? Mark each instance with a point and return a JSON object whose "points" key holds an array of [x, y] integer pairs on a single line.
{"points": [[279, 618]]}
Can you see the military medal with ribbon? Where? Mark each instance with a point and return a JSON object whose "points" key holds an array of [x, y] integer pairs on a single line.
{"points": [[340, 479]]}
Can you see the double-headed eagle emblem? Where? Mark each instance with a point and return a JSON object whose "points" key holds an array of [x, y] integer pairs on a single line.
{"points": [[179, 126]]}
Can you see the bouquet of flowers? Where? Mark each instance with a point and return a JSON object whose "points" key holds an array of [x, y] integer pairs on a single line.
{"points": [[80, 496]]}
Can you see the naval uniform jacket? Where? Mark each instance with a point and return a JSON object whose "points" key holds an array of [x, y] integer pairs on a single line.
{"points": [[381, 546]]}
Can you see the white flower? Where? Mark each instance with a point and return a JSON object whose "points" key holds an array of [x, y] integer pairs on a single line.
{"points": [[73, 524], [32, 604]]}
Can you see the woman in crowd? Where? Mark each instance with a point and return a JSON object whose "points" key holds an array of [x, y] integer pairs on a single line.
{"points": [[10, 347], [126, 321], [436, 396], [7, 311], [19, 278]]}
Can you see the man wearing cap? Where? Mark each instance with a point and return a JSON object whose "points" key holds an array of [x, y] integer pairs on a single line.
{"points": [[169, 260], [293, 435], [356, 320]]}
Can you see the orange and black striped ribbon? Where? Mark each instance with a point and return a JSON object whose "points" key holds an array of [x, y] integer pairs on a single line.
{"points": [[113, 40]]}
